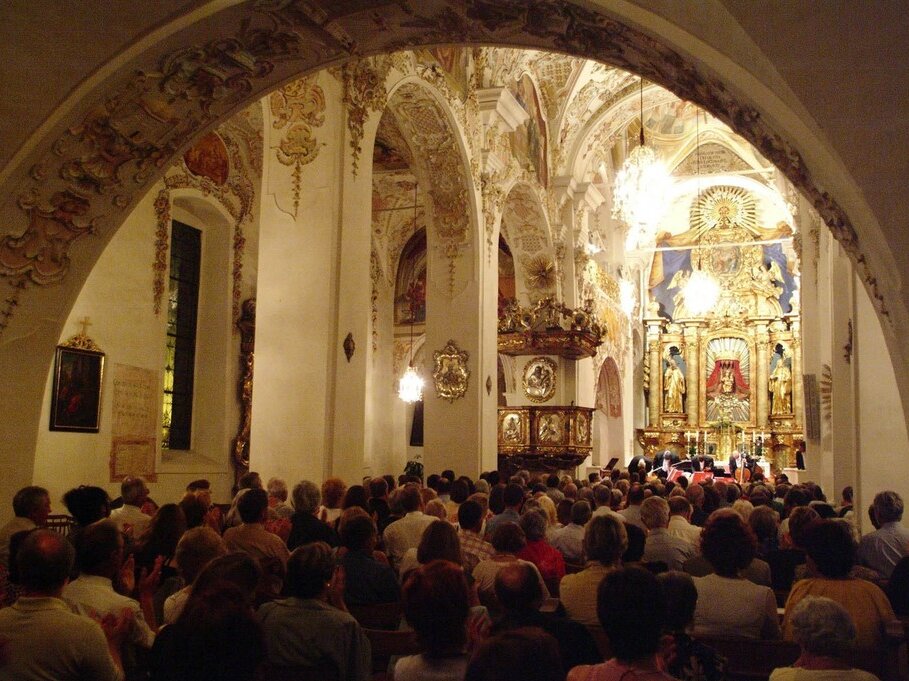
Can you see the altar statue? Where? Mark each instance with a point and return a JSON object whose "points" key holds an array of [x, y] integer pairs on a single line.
{"points": [[674, 387], [781, 388]]}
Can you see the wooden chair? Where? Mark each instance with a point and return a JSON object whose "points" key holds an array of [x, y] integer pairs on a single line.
{"points": [[387, 645], [385, 616], [752, 660], [325, 670]]}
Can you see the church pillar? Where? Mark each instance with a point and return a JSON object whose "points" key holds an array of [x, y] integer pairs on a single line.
{"points": [[692, 366], [762, 358], [653, 352], [798, 388]]}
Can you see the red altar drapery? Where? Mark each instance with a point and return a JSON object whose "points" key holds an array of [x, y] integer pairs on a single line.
{"points": [[740, 385]]}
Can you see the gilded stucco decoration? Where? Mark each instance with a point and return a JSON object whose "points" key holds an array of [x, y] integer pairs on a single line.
{"points": [[106, 158], [451, 373], [298, 107], [162, 246], [364, 93], [540, 273]]}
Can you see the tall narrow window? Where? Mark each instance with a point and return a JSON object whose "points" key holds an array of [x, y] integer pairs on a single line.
{"points": [[180, 354]]}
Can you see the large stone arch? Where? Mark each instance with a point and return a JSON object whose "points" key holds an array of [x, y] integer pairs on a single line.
{"points": [[525, 226], [80, 162]]}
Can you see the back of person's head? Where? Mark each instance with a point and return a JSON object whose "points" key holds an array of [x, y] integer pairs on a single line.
{"points": [[517, 587], [460, 490], [309, 570], [277, 488], [410, 498], [796, 496], [435, 602], [533, 522], [219, 637], [497, 499], [87, 504], [28, 501], [829, 545], [133, 490], [632, 611], [194, 510], [437, 509], [164, 530], [801, 520], [580, 512], [378, 488], [888, 507], [681, 598], [728, 543], [44, 562], [306, 497], [448, 474], [97, 546], [355, 496], [635, 495], [333, 490], [240, 569], [358, 533], [514, 495], [439, 542], [679, 505], [470, 516], [196, 549], [744, 508], [197, 485], [602, 495], [508, 538], [605, 539], [764, 521], [252, 505], [637, 539], [655, 512], [250, 480], [823, 627], [695, 494], [847, 493], [443, 486], [525, 654]]}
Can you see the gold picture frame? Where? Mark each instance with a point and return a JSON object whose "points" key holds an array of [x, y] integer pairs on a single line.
{"points": [[539, 379], [451, 374]]}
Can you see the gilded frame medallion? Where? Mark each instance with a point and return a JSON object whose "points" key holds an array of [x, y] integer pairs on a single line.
{"points": [[451, 373], [539, 379]]}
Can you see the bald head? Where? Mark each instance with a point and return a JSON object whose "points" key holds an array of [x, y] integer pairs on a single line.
{"points": [[518, 587], [45, 561]]}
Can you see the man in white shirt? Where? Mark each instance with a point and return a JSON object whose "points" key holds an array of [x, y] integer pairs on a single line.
{"points": [[570, 539], [632, 512], [130, 515], [31, 505], [882, 549], [660, 546], [101, 559], [680, 522], [406, 533]]}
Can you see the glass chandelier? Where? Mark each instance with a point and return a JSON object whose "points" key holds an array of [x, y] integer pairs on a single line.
{"points": [[627, 297], [640, 191], [410, 387], [701, 290]]}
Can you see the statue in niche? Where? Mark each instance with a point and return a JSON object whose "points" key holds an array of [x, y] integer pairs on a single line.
{"points": [[673, 386], [780, 383]]}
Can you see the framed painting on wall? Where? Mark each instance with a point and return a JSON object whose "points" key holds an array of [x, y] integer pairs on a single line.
{"points": [[76, 395]]}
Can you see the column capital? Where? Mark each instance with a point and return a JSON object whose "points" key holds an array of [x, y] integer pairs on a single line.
{"points": [[497, 104]]}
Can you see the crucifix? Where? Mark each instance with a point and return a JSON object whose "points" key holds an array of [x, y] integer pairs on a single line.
{"points": [[84, 323]]}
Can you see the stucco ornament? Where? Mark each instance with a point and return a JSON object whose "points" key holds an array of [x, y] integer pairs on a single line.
{"points": [[451, 373]]}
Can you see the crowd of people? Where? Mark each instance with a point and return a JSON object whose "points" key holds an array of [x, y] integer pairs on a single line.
{"points": [[531, 577]]}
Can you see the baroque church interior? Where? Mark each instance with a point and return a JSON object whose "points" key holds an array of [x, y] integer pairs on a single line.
{"points": [[453, 206]]}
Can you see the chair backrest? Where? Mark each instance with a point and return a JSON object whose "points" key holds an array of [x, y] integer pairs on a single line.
{"points": [[60, 523], [377, 615], [388, 644], [602, 641], [749, 659], [324, 670]]}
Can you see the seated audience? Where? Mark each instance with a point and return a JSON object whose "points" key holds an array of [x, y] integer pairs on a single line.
{"points": [[159, 541], [277, 498], [525, 654], [436, 508], [680, 521], [765, 522], [31, 506], [470, 534], [101, 558], [43, 638], [195, 550], [569, 540], [406, 533], [632, 510], [538, 551], [831, 555], [882, 549], [520, 597], [824, 631], [378, 502], [216, 638], [367, 579], [305, 526], [691, 660], [311, 628], [507, 541], [129, 517], [512, 501], [660, 546], [605, 540], [436, 605], [898, 588], [333, 491], [729, 545], [86, 505], [194, 510], [251, 536], [787, 562], [631, 609]]}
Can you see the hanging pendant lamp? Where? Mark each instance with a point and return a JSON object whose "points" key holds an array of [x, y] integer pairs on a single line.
{"points": [[410, 387]]}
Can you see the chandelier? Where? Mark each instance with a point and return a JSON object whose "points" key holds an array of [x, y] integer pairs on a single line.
{"points": [[410, 387], [640, 191], [627, 297], [701, 291]]}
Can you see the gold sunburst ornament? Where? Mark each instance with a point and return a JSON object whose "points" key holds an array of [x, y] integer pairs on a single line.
{"points": [[540, 273], [724, 207]]}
